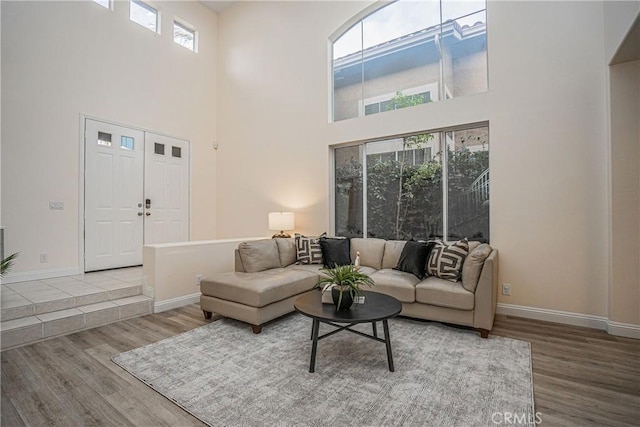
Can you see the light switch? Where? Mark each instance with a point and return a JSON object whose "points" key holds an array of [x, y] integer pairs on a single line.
{"points": [[56, 206]]}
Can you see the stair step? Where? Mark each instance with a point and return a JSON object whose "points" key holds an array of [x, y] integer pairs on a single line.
{"points": [[27, 299], [37, 327]]}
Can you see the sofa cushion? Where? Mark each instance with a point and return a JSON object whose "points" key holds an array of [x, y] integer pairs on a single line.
{"points": [[308, 249], [367, 270], [335, 251], [313, 268], [473, 244], [446, 261], [398, 284], [258, 289], [259, 255], [392, 251], [371, 251], [414, 258], [472, 266], [444, 293], [286, 251]]}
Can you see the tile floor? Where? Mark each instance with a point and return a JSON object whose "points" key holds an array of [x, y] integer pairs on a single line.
{"points": [[36, 310], [43, 296]]}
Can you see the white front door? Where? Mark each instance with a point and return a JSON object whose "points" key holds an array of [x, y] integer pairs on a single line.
{"points": [[113, 197], [166, 189], [136, 192]]}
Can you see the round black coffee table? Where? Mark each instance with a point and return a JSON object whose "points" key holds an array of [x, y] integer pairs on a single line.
{"points": [[377, 307]]}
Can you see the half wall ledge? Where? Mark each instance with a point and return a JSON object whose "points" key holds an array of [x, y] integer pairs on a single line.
{"points": [[171, 270]]}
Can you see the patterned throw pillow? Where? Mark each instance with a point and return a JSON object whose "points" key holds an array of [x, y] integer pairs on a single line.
{"points": [[446, 261], [308, 249]]}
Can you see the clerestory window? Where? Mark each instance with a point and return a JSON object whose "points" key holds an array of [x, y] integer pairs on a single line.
{"points": [[145, 15], [184, 36], [439, 44], [104, 3]]}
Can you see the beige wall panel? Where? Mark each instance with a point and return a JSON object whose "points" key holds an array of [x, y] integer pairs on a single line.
{"points": [[64, 59], [545, 105]]}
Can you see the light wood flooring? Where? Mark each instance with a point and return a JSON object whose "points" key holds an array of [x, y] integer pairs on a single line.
{"points": [[582, 377]]}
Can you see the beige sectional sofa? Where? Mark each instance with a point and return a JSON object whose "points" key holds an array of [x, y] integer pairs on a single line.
{"points": [[267, 281]]}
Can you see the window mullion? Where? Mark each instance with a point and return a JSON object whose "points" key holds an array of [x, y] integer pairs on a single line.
{"points": [[364, 192], [362, 68], [441, 93], [444, 149]]}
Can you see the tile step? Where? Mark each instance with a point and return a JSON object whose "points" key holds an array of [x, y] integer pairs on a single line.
{"points": [[31, 329], [17, 303]]}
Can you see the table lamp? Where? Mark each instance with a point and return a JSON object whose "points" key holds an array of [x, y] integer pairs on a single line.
{"points": [[281, 221]]}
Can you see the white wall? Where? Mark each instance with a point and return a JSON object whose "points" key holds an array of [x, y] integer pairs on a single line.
{"points": [[273, 113], [545, 106], [64, 59], [171, 269]]}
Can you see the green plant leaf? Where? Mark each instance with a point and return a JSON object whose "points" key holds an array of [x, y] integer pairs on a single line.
{"points": [[7, 263]]}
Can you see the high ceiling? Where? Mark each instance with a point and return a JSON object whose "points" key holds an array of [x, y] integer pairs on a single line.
{"points": [[216, 5], [629, 49]]}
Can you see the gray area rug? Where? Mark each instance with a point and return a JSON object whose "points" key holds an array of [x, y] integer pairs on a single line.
{"points": [[225, 375]]}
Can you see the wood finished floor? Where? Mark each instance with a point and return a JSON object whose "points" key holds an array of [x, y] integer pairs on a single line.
{"points": [[582, 377]]}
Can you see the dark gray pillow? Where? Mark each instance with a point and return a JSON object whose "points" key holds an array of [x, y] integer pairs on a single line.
{"points": [[413, 258], [335, 251]]}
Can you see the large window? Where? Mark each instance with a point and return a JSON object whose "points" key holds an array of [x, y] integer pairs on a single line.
{"points": [[405, 46], [421, 186]]}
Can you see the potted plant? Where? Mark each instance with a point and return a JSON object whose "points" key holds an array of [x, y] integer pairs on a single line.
{"points": [[7, 263], [345, 282]]}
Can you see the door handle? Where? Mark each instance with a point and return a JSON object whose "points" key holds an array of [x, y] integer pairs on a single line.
{"points": [[139, 213], [148, 214]]}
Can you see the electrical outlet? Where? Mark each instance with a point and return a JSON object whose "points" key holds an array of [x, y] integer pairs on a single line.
{"points": [[506, 289], [44, 258], [198, 279]]}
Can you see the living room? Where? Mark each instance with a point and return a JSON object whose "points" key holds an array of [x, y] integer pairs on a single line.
{"points": [[255, 104]]}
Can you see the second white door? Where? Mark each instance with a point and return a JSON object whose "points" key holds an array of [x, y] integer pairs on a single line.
{"points": [[166, 177]]}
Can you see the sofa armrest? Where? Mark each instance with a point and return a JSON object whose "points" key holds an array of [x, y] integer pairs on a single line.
{"points": [[486, 296], [238, 262]]}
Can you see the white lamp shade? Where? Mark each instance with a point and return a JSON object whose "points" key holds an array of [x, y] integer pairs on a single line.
{"points": [[281, 221]]}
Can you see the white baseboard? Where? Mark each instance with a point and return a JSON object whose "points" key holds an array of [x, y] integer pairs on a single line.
{"points": [[40, 275], [567, 318], [168, 304], [627, 330]]}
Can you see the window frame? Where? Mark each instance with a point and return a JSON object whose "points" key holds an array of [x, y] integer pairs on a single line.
{"points": [[149, 8], [187, 28], [444, 160], [109, 4]]}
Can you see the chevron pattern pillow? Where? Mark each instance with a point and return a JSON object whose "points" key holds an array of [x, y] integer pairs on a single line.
{"points": [[308, 249], [445, 261]]}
